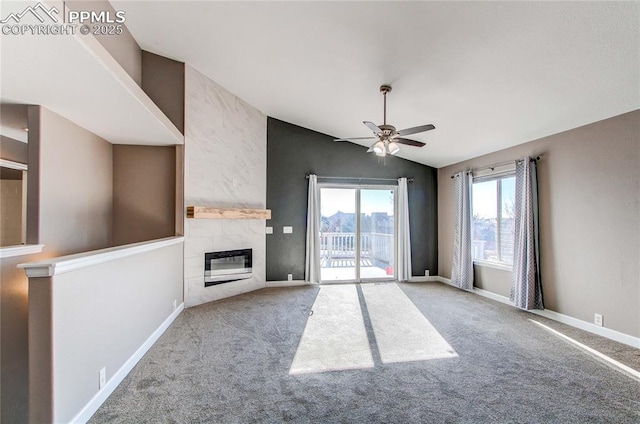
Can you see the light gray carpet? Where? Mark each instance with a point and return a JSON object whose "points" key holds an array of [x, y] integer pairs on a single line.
{"points": [[229, 361]]}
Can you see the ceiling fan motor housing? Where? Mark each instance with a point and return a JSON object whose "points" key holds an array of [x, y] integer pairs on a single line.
{"points": [[387, 130]]}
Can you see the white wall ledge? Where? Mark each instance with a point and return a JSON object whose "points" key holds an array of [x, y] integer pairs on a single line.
{"points": [[494, 265], [62, 264], [20, 250]]}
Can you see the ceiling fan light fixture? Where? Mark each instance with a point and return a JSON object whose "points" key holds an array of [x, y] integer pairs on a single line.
{"points": [[379, 148], [393, 148]]}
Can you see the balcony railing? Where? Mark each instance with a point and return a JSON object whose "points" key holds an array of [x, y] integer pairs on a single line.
{"points": [[375, 248]]}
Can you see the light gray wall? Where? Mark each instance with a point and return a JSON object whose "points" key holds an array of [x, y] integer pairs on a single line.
{"points": [[33, 177], [492, 279], [13, 120], [14, 300], [76, 180], [163, 81], [123, 47], [72, 169], [589, 191], [14, 352], [144, 193], [14, 297], [11, 208], [86, 312], [13, 150], [225, 166]]}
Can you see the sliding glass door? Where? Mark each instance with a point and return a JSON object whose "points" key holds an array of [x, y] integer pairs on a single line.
{"points": [[338, 228], [357, 240], [377, 233]]}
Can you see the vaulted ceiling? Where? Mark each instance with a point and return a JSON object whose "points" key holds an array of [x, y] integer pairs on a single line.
{"points": [[488, 75]]}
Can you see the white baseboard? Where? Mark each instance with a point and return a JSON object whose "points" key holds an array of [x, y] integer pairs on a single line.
{"points": [[446, 281], [494, 296], [565, 319], [592, 328], [422, 279], [102, 395], [292, 283]]}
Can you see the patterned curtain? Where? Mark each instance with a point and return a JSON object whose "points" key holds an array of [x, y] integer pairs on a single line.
{"points": [[404, 238], [462, 272], [312, 262], [526, 288]]}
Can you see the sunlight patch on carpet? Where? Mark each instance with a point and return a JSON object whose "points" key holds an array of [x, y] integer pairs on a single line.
{"points": [[402, 333], [618, 366], [335, 337]]}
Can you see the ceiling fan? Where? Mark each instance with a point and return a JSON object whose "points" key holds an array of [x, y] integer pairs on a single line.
{"points": [[386, 136]]}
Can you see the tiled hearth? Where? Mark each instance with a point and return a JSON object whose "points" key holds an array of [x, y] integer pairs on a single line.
{"points": [[225, 166]]}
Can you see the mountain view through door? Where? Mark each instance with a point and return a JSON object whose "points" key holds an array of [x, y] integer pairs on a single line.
{"points": [[357, 233]]}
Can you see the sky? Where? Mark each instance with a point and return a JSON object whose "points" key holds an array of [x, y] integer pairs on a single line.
{"points": [[333, 200], [381, 200], [485, 197]]}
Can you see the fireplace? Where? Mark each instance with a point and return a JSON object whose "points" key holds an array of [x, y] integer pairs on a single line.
{"points": [[227, 266]]}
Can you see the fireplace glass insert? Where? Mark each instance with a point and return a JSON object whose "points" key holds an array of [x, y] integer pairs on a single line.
{"points": [[226, 266]]}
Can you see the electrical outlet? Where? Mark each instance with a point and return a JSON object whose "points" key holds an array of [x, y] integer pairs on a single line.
{"points": [[426, 272], [269, 230], [290, 277], [598, 319], [175, 304], [287, 230], [103, 378]]}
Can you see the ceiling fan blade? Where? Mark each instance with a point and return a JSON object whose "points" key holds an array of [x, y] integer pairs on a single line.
{"points": [[409, 142], [373, 127], [371, 147], [354, 138], [415, 130]]}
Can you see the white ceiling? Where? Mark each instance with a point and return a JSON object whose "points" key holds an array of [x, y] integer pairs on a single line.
{"points": [[488, 75]]}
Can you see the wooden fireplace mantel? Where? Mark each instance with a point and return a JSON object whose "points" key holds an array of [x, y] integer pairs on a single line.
{"points": [[206, 212]]}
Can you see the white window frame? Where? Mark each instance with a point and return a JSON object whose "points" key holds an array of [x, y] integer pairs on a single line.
{"points": [[498, 176]]}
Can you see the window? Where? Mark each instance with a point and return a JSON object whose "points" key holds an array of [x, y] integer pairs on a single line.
{"points": [[493, 219]]}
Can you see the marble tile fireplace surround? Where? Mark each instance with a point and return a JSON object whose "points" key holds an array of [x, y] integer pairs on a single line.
{"points": [[225, 167]]}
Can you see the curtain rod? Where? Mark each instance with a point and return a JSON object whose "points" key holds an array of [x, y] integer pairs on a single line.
{"points": [[359, 178], [496, 165]]}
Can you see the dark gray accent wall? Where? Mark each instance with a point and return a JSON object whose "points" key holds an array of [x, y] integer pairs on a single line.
{"points": [[293, 152]]}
